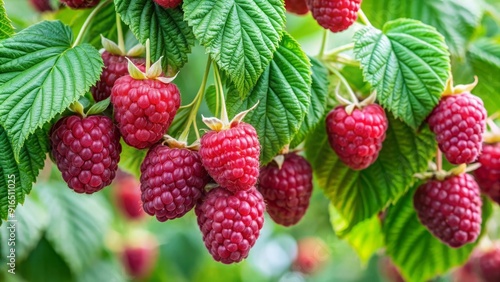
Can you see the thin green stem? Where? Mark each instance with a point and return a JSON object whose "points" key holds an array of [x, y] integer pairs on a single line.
{"points": [[195, 104], [364, 18], [344, 82], [119, 30], [338, 50], [220, 92], [439, 160], [346, 60], [89, 19], [324, 42], [148, 55]]}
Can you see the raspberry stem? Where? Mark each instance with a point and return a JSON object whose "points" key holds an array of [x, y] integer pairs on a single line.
{"points": [[119, 30], [148, 56], [195, 104], [324, 41], [86, 24], [336, 51], [364, 18], [354, 99], [439, 160], [220, 93]]}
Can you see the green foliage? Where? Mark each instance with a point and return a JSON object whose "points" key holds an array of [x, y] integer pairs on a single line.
{"points": [[417, 252], [283, 96], [19, 175], [41, 74], [365, 238], [240, 35], [456, 20], [359, 195], [77, 225], [6, 28], [170, 36], [131, 159], [407, 63], [318, 105], [484, 56]]}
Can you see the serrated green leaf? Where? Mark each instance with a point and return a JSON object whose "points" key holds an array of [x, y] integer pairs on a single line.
{"points": [[407, 63], [103, 24], [455, 19], [80, 219], [484, 56], [240, 35], [40, 76], [212, 100], [283, 94], [358, 195], [419, 255], [131, 159], [169, 35], [318, 105], [103, 270], [20, 175], [6, 28], [365, 238]]}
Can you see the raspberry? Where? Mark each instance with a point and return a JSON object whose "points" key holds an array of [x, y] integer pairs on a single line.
{"points": [[287, 190], [115, 66], [172, 181], [357, 137], [139, 255], [298, 7], [41, 5], [127, 197], [230, 223], [231, 156], [80, 4], [169, 4], [488, 174], [86, 151], [450, 209], [335, 15], [144, 109], [459, 122], [486, 264]]}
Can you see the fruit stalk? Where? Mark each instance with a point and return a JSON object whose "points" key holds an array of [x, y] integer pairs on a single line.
{"points": [[87, 22]]}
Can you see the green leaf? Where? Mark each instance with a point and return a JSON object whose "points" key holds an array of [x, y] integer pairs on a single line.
{"points": [[102, 270], [318, 105], [78, 223], [19, 176], [419, 255], [169, 35], [455, 19], [103, 24], [6, 28], [359, 195], [283, 94], [212, 100], [407, 63], [131, 159], [365, 238], [240, 35], [99, 107], [32, 220], [40, 76], [484, 56]]}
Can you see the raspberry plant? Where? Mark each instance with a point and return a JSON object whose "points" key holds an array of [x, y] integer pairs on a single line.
{"points": [[365, 112]]}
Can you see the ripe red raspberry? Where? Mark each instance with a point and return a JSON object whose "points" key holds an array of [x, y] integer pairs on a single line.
{"points": [[172, 180], [231, 156], [139, 255], [287, 190], [488, 174], [335, 15], [41, 5], [486, 264], [144, 109], [357, 137], [127, 196], [81, 4], [450, 209], [115, 66], [169, 4], [459, 122], [86, 151], [298, 7], [230, 223]]}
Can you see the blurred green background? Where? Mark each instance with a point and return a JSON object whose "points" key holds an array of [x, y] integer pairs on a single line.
{"points": [[64, 236]]}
